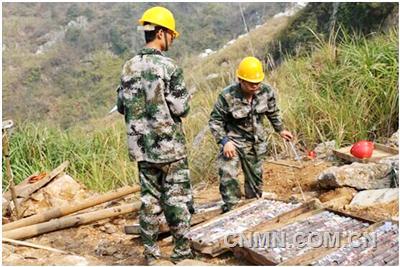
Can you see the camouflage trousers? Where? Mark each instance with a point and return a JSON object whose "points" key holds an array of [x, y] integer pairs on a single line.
{"points": [[228, 171], [165, 187]]}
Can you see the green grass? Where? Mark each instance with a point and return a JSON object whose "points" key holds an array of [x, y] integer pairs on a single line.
{"points": [[346, 90], [97, 154]]}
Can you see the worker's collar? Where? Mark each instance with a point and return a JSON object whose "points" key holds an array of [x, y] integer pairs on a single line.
{"points": [[150, 51], [240, 95]]}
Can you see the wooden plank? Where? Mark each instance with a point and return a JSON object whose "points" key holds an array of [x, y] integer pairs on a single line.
{"points": [[21, 186], [380, 152]]}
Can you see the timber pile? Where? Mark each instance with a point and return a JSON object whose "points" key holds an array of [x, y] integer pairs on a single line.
{"points": [[56, 218]]}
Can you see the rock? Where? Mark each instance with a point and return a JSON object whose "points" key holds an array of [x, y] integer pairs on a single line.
{"points": [[160, 262], [357, 175], [373, 197], [70, 260], [325, 150], [105, 249], [61, 191], [393, 162], [189, 262], [393, 141], [269, 195], [119, 256], [110, 229]]}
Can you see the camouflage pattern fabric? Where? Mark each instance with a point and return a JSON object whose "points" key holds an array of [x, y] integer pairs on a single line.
{"points": [[153, 97], [228, 171], [165, 187], [235, 119]]}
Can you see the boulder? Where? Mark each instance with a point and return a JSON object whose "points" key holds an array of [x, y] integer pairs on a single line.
{"points": [[373, 197], [393, 162], [325, 150], [357, 175], [61, 191], [393, 141]]}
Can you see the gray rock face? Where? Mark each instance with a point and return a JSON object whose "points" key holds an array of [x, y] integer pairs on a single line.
{"points": [[373, 197], [357, 175], [394, 163], [325, 150]]}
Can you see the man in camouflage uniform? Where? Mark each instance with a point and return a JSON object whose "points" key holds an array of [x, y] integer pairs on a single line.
{"points": [[153, 98], [236, 123]]}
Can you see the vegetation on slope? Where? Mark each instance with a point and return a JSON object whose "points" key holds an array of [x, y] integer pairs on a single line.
{"points": [[346, 90]]}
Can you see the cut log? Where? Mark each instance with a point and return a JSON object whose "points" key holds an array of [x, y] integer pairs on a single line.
{"points": [[27, 244], [70, 221], [357, 175], [68, 209]]}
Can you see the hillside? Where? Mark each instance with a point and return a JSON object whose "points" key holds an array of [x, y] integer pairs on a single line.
{"points": [[316, 93], [62, 61]]}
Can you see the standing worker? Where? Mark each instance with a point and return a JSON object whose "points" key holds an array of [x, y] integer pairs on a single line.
{"points": [[236, 123], [153, 97]]}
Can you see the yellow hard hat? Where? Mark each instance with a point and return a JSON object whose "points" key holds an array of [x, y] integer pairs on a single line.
{"points": [[250, 69], [159, 16]]}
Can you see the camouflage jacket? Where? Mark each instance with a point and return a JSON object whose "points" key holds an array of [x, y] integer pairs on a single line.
{"points": [[234, 118], [153, 97]]}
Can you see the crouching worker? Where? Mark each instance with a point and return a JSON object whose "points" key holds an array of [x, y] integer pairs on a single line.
{"points": [[153, 98], [236, 123]]}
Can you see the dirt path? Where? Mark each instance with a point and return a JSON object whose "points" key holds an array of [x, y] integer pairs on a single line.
{"points": [[104, 243]]}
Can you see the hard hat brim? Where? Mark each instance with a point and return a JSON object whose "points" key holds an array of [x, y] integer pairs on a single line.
{"points": [[251, 80], [141, 22]]}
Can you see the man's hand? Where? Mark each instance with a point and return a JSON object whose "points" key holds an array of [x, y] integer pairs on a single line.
{"points": [[286, 135], [229, 150]]}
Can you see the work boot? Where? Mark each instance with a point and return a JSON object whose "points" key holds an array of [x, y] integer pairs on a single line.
{"points": [[175, 258], [228, 207]]}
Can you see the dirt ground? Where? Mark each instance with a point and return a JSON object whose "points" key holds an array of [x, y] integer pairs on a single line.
{"points": [[104, 243]]}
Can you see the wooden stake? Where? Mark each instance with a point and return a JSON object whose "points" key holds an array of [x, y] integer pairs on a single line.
{"points": [[68, 209], [6, 150], [70, 221], [27, 244]]}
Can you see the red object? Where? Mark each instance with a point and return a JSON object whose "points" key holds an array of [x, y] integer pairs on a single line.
{"points": [[362, 149], [312, 154]]}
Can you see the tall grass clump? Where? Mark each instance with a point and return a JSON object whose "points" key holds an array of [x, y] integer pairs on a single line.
{"points": [[97, 155], [346, 90]]}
